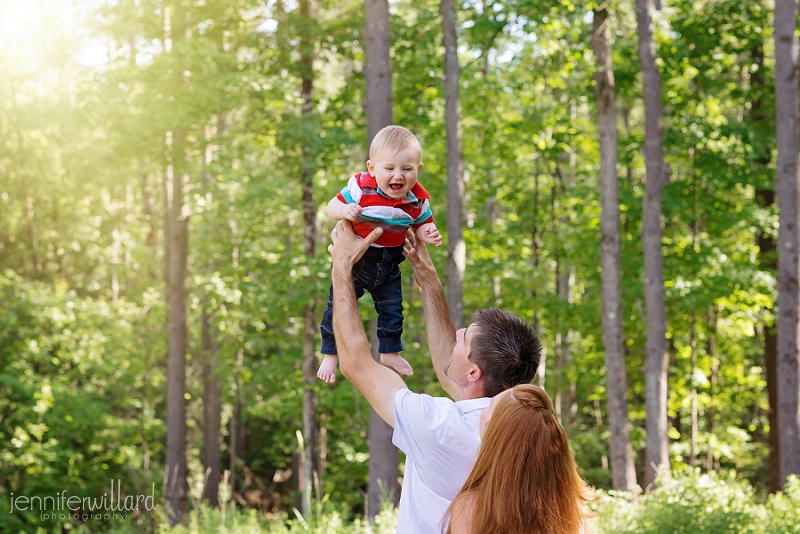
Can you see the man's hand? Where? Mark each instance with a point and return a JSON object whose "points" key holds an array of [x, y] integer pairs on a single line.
{"points": [[347, 248], [421, 263]]}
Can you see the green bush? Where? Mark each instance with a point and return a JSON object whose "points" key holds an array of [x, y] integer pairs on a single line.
{"points": [[699, 503], [692, 503], [783, 509], [208, 521]]}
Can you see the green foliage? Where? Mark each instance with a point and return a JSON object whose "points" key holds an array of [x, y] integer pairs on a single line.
{"points": [[689, 503], [697, 502], [84, 156], [328, 522], [71, 421]]}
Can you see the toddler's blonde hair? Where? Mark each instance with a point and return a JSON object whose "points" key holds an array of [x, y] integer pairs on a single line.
{"points": [[394, 139]]}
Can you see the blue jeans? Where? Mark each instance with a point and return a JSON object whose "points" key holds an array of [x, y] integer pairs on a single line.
{"points": [[378, 272]]}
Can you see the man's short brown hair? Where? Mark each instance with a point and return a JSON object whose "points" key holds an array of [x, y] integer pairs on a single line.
{"points": [[505, 348]]}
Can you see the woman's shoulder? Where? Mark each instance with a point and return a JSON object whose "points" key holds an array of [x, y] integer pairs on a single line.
{"points": [[464, 507]]}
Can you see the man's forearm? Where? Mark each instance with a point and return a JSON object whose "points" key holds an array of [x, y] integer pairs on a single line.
{"points": [[376, 382], [440, 328], [441, 331], [346, 314]]}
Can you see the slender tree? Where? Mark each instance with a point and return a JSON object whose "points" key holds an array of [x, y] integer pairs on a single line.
{"points": [[456, 248], [383, 457], [622, 469], [693, 394], [786, 111], [176, 234], [767, 258], [212, 412], [212, 398], [655, 368], [565, 400], [377, 66], [310, 363], [176, 249], [712, 322]]}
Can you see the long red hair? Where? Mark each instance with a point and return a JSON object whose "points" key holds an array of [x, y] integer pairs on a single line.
{"points": [[524, 480]]}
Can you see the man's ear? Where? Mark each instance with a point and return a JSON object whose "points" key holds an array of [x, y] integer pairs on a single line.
{"points": [[475, 374]]}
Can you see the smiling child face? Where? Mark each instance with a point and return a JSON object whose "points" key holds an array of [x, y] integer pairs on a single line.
{"points": [[395, 172]]}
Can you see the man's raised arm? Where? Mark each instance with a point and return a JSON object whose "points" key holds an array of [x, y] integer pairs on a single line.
{"points": [[439, 324], [376, 382]]}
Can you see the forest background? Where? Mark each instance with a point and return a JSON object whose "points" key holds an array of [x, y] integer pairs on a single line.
{"points": [[164, 167]]}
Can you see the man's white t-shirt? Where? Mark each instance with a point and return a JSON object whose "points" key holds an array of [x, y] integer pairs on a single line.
{"points": [[440, 438]]}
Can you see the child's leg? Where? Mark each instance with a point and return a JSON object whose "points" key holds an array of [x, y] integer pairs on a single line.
{"points": [[327, 370], [388, 299]]}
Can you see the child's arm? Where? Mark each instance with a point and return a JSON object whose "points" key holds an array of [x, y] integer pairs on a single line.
{"points": [[338, 210], [428, 233]]}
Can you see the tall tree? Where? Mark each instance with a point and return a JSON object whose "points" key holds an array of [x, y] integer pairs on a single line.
{"points": [[212, 399], [622, 468], [768, 255], [786, 111], [176, 250], [383, 457], [176, 234], [212, 411], [655, 368], [310, 363], [456, 247]]}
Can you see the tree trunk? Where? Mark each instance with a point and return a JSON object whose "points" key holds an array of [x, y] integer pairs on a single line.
{"points": [[541, 373], [566, 406], [566, 399], [598, 421], [456, 248], [212, 419], [712, 388], [310, 477], [143, 417], [786, 109], [234, 432], [771, 357], [657, 174], [237, 433], [383, 457], [377, 66], [212, 399], [693, 394], [310, 467], [176, 248], [768, 259], [622, 469]]}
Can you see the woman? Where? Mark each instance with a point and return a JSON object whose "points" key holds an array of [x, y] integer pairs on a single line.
{"points": [[524, 480]]}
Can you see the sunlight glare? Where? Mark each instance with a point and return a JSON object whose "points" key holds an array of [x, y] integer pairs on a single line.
{"points": [[42, 35]]}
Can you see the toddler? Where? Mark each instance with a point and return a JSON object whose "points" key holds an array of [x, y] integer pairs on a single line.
{"points": [[387, 196]]}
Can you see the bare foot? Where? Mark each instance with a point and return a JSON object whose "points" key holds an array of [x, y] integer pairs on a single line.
{"points": [[397, 362], [327, 370]]}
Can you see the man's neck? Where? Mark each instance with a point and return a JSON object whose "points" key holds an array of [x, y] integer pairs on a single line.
{"points": [[473, 390]]}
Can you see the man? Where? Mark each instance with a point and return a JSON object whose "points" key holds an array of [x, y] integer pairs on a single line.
{"points": [[439, 436]]}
